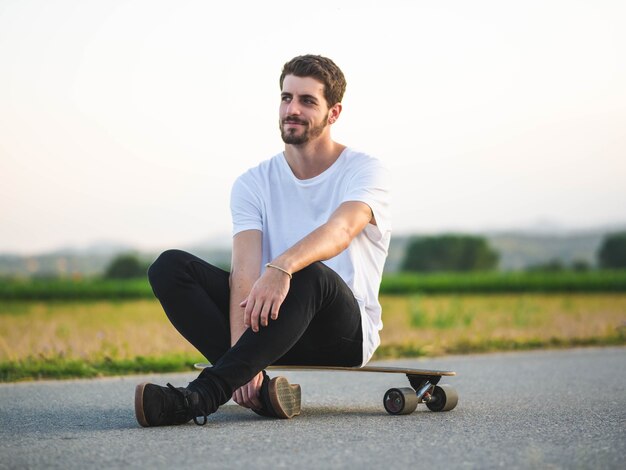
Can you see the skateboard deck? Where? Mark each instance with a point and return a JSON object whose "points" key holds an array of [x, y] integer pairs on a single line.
{"points": [[424, 388]]}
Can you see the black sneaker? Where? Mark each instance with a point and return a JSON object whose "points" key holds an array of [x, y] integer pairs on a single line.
{"points": [[162, 406], [280, 399]]}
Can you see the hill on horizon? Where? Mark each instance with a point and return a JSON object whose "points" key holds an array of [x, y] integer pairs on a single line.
{"points": [[518, 250]]}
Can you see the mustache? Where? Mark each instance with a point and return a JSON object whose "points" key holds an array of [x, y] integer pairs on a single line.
{"points": [[293, 120]]}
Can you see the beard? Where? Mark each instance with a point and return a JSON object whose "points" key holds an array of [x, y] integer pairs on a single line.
{"points": [[308, 133]]}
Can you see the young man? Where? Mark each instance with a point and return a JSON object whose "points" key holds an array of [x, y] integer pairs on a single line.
{"points": [[311, 232]]}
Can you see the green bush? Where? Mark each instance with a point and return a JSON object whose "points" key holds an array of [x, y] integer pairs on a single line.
{"points": [[126, 266], [612, 253], [449, 253]]}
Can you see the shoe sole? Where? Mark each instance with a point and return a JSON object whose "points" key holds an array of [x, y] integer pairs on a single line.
{"points": [[139, 413], [284, 397]]}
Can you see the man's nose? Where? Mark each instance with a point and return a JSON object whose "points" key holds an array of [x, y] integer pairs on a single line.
{"points": [[293, 108]]}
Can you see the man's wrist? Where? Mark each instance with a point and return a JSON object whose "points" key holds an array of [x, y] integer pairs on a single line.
{"points": [[274, 266]]}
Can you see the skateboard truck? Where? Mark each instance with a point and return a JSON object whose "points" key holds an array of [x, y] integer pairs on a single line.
{"points": [[402, 401], [423, 392]]}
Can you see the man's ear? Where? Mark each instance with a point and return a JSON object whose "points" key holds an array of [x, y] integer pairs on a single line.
{"points": [[334, 112]]}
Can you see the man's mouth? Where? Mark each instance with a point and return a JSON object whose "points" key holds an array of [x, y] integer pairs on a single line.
{"points": [[294, 121]]}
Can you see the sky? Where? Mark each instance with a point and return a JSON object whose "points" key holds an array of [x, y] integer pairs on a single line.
{"points": [[128, 121]]}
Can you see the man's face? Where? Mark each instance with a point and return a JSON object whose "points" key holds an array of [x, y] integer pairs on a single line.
{"points": [[303, 114]]}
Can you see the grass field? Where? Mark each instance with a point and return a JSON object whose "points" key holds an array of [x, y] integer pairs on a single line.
{"points": [[496, 282], [89, 338], [404, 283], [443, 324]]}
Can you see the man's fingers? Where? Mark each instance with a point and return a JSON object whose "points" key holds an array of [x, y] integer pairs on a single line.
{"points": [[243, 396], [254, 317], [247, 313], [248, 394], [269, 311], [251, 399], [254, 387], [275, 308], [264, 300], [265, 312], [253, 396], [249, 403], [238, 397], [256, 404]]}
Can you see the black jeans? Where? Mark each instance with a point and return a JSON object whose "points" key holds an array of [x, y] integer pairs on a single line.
{"points": [[319, 322]]}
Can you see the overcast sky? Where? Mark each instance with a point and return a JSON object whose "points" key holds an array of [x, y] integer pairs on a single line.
{"points": [[129, 120]]}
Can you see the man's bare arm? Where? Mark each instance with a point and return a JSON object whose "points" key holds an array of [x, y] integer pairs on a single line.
{"points": [[245, 270], [325, 242], [328, 240]]}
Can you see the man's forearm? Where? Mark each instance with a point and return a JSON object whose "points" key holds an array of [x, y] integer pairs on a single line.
{"points": [[328, 240], [239, 288], [245, 270], [321, 244]]}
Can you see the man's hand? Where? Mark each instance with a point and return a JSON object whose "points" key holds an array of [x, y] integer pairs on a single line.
{"points": [[248, 395], [265, 299]]}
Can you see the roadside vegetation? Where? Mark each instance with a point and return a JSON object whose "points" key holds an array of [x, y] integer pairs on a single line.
{"points": [[427, 325], [487, 282], [405, 283], [449, 299], [87, 339], [75, 289], [62, 339]]}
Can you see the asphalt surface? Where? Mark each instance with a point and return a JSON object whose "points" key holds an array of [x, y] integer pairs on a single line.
{"points": [[550, 409]]}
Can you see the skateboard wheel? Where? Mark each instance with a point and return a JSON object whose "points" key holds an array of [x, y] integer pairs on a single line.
{"points": [[400, 401], [444, 398]]}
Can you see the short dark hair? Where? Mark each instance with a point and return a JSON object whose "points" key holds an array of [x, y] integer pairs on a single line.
{"points": [[320, 68]]}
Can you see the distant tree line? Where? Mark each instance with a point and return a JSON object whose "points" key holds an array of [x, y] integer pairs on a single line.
{"points": [[126, 266], [451, 253], [612, 253], [556, 265], [463, 253]]}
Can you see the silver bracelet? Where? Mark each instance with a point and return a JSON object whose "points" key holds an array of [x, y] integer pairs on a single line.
{"points": [[270, 265]]}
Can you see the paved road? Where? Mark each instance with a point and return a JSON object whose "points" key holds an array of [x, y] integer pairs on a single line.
{"points": [[554, 409]]}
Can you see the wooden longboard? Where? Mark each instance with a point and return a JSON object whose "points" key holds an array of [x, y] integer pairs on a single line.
{"points": [[386, 370], [397, 400]]}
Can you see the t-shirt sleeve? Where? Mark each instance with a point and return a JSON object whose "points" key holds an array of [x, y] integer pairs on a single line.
{"points": [[245, 206], [370, 184]]}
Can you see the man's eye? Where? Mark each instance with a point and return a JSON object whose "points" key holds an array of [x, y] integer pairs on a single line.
{"points": [[286, 98]]}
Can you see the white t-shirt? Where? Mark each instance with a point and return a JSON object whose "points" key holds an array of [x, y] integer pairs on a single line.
{"points": [[285, 209]]}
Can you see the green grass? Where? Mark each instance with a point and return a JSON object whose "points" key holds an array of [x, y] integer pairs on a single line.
{"points": [[405, 283], [63, 339], [59, 367], [449, 316], [427, 324], [497, 345], [74, 289], [505, 282]]}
